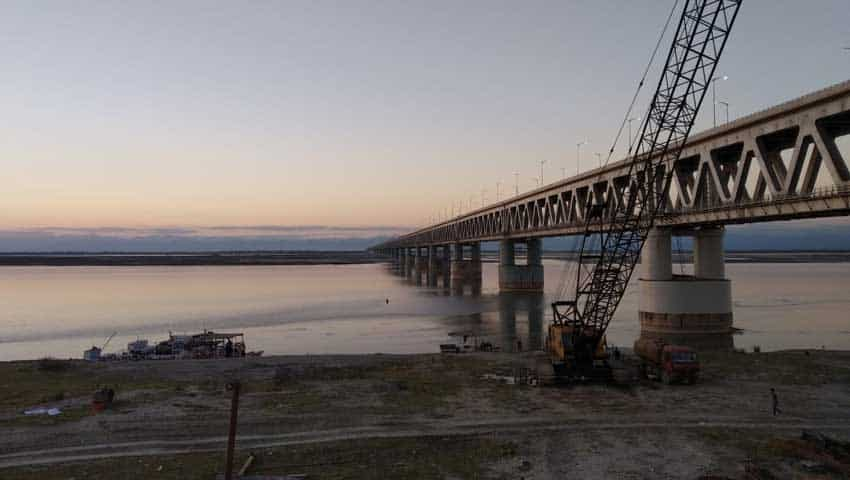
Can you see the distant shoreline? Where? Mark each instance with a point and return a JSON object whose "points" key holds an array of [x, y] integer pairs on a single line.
{"points": [[77, 259], [187, 259]]}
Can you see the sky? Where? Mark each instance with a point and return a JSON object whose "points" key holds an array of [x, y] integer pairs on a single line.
{"points": [[200, 114]]}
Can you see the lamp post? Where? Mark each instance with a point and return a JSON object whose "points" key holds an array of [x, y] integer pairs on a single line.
{"points": [[727, 109], [714, 95], [630, 120], [599, 157], [564, 172], [483, 191], [578, 154], [516, 183], [498, 184], [542, 162]]}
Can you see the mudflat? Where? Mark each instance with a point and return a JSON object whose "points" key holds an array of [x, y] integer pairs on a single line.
{"points": [[428, 416]]}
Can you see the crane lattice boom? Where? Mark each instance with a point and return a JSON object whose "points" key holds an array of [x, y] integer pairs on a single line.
{"points": [[627, 213]]}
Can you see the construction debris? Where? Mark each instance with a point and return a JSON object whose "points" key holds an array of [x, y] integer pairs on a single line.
{"points": [[43, 411]]}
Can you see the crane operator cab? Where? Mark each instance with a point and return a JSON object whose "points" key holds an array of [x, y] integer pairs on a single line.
{"points": [[577, 352]]}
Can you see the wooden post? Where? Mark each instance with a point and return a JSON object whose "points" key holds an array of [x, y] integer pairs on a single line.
{"points": [[231, 436]]}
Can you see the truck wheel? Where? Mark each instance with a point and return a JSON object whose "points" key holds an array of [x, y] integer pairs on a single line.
{"points": [[665, 377]]}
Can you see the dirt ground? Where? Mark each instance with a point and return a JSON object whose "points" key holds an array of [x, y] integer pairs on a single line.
{"points": [[428, 416]]}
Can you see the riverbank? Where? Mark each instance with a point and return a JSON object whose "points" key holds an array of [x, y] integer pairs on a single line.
{"points": [[423, 416]]}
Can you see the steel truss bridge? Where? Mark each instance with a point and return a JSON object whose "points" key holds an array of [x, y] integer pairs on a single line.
{"points": [[782, 163]]}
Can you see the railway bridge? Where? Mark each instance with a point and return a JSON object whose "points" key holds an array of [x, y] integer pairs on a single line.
{"points": [[786, 162]]}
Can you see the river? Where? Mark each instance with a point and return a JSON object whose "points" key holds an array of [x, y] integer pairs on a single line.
{"points": [[316, 309]]}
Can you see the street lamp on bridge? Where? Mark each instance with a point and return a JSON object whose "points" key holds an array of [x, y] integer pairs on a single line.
{"points": [[727, 109], [599, 157], [714, 95], [516, 183], [542, 162], [578, 154]]}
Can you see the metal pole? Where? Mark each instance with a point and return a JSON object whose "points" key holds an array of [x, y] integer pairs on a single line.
{"points": [[630, 132], [234, 387], [714, 100], [578, 156], [542, 162], [725, 104], [599, 156], [516, 183], [714, 96]]}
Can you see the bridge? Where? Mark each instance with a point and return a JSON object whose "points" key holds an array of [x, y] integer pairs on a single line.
{"points": [[782, 163]]}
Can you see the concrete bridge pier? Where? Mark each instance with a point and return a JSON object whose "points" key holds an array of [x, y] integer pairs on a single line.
{"points": [[445, 266], [410, 262], [692, 309], [420, 264], [402, 261], [466, 271], [520, 278], [433, 266], [398, 257]]}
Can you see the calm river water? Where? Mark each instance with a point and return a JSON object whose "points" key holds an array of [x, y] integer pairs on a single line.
{"points": [[60, 311]]}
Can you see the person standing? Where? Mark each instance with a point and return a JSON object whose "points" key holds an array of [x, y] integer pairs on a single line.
{"points": [[775, 402]]}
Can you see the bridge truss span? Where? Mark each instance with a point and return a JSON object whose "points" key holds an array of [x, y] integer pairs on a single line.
{"points": [[782, 163]]}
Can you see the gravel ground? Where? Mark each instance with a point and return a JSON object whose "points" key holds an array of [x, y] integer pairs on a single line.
{"points": [[634, 429]]}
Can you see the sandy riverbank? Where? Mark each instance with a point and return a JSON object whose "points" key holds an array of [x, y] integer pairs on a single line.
{"points": [[424, 416]]}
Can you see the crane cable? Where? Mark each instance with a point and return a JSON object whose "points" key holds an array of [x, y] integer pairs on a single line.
{"points": [[640, 85], [571, 266]]}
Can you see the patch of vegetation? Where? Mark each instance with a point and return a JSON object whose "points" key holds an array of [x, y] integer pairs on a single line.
{"points": [[31, 383], [49, 364], [463, 457]]}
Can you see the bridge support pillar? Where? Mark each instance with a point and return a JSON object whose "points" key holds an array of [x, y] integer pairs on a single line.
{"points": [[445, 266], [433, 266], [692, 310], [420, 266], [466, 271], [520, 278], [402, 266], [410, 263], [399, 260]]}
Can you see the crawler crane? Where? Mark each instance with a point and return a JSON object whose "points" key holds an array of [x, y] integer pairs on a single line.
{"points": [[619, 216]]}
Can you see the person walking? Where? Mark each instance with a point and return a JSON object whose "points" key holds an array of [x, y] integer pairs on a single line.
{"points": [[775, 402]]}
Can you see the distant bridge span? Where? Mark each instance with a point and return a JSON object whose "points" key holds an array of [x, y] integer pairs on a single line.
{"points": [[762, 167]]}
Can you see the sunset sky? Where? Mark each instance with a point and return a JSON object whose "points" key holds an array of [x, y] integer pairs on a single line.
{"points": [[348, 113]]}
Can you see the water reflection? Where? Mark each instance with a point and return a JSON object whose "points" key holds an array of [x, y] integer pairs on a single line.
{"points": [[525, 310], [508, 322]]}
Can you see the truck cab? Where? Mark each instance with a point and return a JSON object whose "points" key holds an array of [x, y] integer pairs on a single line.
{"points": [[680, 363], [667, 362]]}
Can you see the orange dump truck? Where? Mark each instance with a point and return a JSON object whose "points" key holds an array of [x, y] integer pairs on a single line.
{"points": [[669, 363]]}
